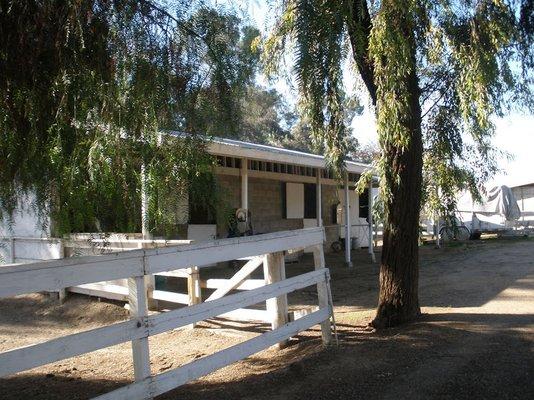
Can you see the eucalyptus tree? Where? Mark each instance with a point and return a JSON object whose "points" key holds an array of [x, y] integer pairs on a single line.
{"points": [[85, 89], [437, 72]]}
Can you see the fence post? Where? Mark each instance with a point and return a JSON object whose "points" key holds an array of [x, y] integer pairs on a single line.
{"points": [[150, 280], [193, 287], [62, 293], [137, 298], [274, 268], [322, 294]]}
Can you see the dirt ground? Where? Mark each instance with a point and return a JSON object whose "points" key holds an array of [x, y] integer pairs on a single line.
{"points": [[475, 339]]}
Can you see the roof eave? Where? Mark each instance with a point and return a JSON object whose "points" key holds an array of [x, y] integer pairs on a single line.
{"points": [[278, 155], [240, 149]]}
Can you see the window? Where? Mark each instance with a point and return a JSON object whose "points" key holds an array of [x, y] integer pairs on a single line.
{"points": [[310, 201], [364, 204], [299, 200], [294, 200]]}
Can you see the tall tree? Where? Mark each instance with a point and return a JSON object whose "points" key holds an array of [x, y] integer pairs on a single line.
{"points": [[437, 71], [85, 89], [297, 132]]}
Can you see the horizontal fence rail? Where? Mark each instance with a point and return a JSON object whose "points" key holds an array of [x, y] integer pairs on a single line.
{"points": [[84, 342], [164, 259], [135, 265], [159, 384], [58, 274]]}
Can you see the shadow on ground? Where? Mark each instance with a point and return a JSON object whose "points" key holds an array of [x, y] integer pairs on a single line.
{"points": [[469, 275], [444, 356], [465, 352]]}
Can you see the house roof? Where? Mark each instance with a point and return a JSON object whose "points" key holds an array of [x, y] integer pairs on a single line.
{"points": [[237, 148], [523, 184], [262, 152]]}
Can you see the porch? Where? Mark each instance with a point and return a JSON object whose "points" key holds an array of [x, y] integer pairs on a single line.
{"points": [[276, 189]]}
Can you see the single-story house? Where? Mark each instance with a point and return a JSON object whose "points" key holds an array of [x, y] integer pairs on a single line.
{"points": [[276, 189]]}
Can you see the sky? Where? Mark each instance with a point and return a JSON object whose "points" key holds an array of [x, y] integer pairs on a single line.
{"points": [[514, 133]]}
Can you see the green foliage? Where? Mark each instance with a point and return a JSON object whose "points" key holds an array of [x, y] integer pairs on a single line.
{"points": [[211, 102], [297, 133], [266, 117], [472, 62], [316, 29], [390, 51], [85, 89], [476, 64], [368, 153]]}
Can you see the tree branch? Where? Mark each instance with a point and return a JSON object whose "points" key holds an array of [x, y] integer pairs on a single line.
{"points": [[435, 103], [359, 27], [179, 24]]}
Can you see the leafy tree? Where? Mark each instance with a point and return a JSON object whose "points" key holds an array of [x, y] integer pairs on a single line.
{"points": [[214, 105], [85, 89], [299, 133], [437, 71], [368, 153], [266, 117]]}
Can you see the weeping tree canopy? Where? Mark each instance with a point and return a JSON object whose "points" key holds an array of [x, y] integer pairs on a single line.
{"points": [[437, 72], [85, 89], [473, 60]]}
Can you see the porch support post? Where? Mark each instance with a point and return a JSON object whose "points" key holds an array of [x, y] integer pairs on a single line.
{"points": [[347, 222], [150, 281], [437, 223], [244, 184], [370, 217], [522, 205], [144, 205], [318, 207], [436, 230], [12, 250]]}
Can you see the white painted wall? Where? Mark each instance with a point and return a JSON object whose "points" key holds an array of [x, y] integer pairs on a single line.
{"points": [[28, 250], [360, 232], [25, 222], [294, 200], [201, 233]]}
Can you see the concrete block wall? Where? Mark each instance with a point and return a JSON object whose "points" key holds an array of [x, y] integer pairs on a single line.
{"points": [[230, 187], [265, 203]]}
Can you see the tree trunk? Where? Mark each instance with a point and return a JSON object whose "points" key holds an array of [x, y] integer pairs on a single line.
{"points": [[399, 269]]}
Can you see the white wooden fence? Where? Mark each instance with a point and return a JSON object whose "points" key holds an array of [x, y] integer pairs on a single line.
{"points": [[29, 249], [22, 250], [93, 244], [136, 265]]}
